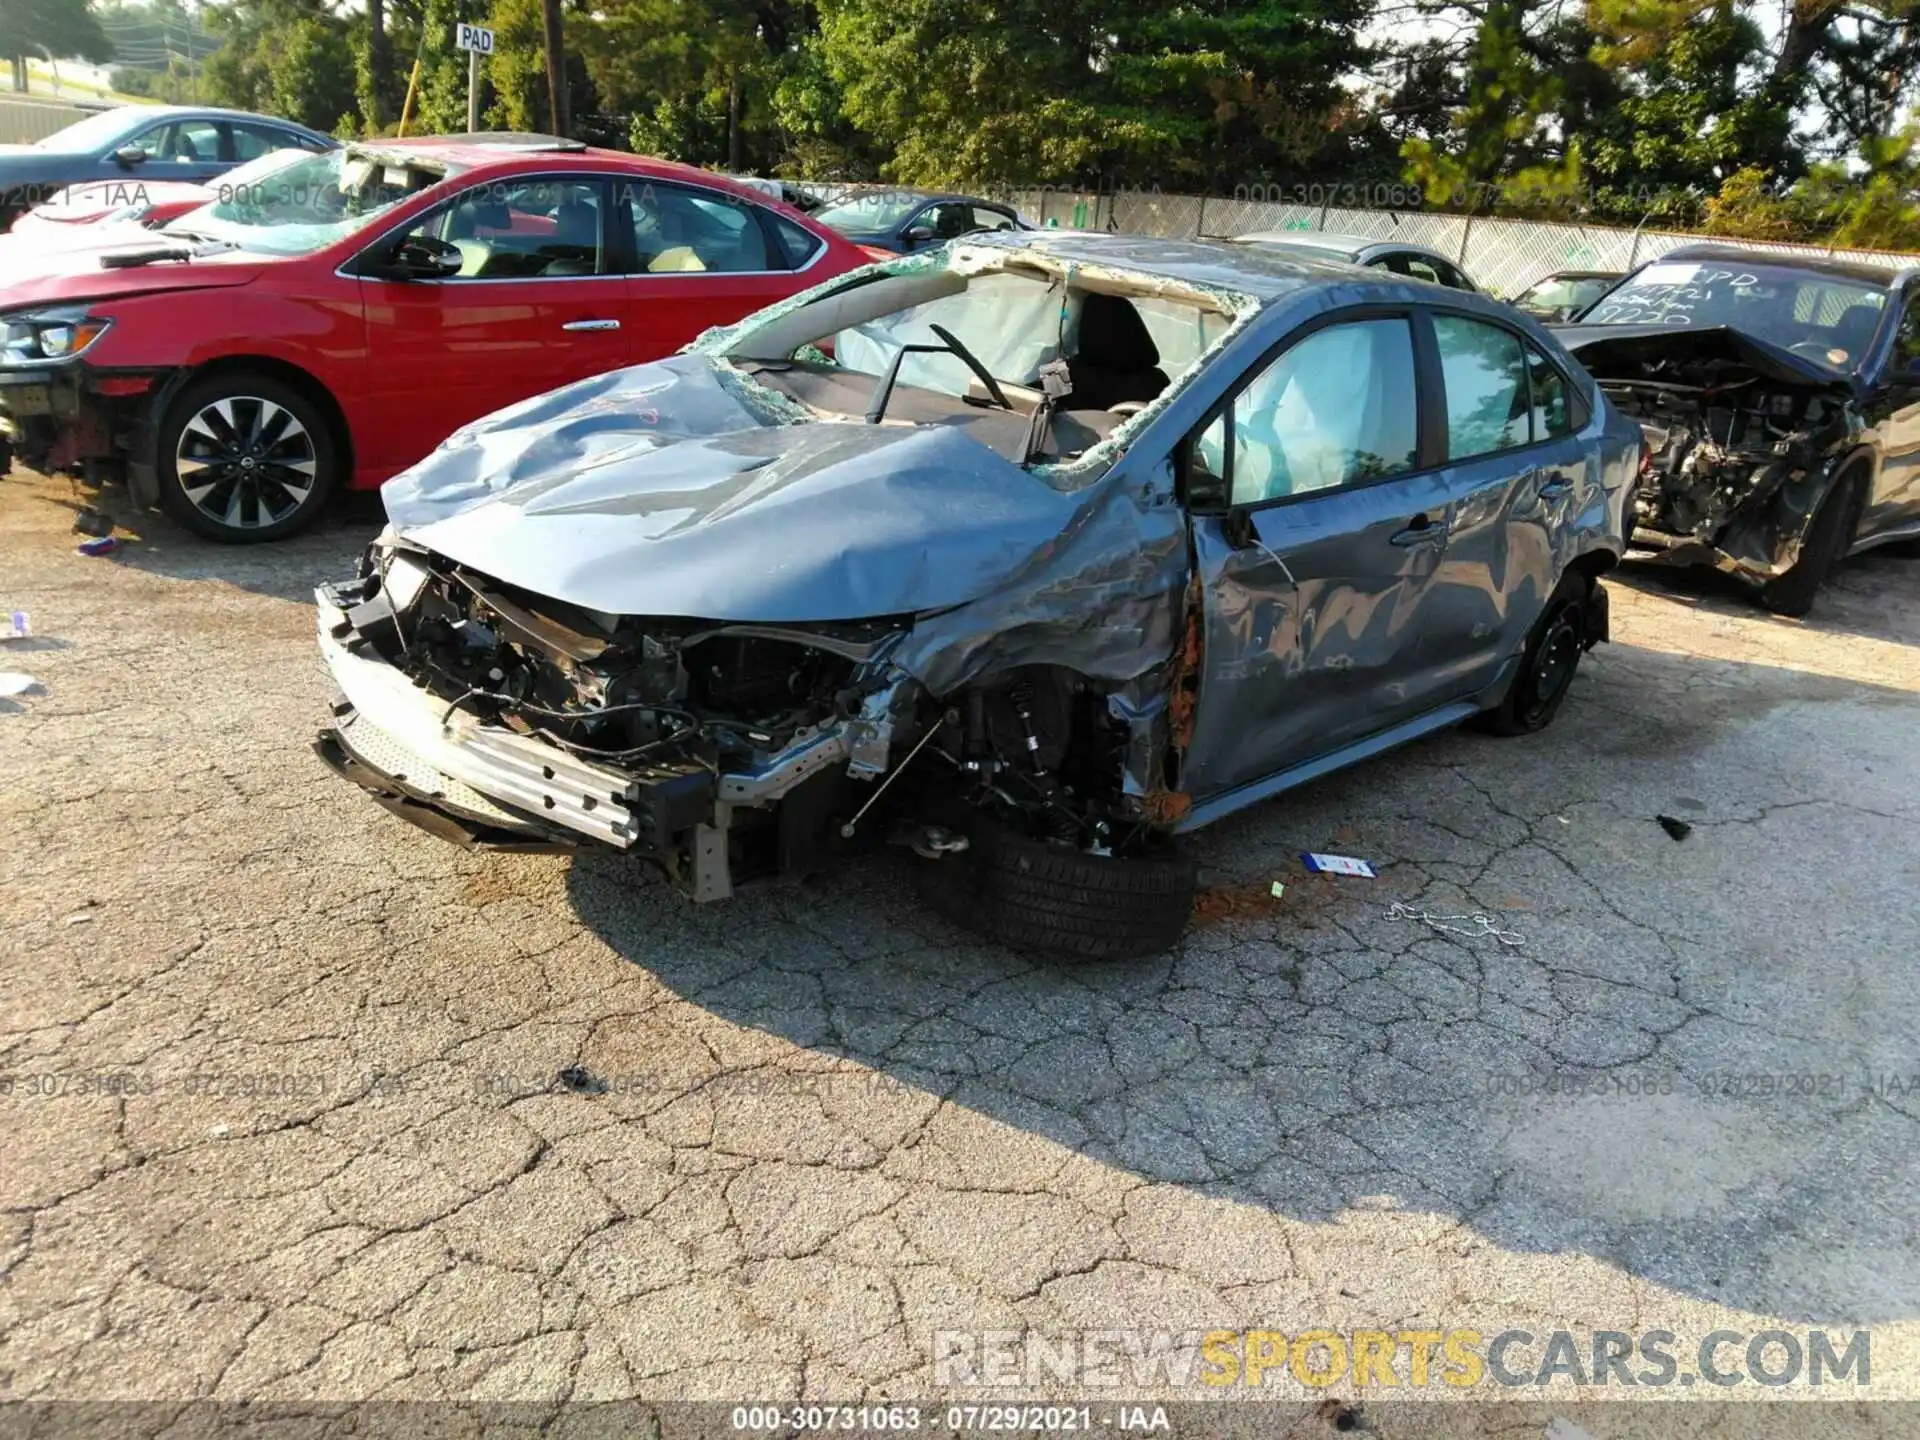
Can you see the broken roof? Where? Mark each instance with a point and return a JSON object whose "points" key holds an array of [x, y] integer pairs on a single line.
{"points": [[1261, 275]]}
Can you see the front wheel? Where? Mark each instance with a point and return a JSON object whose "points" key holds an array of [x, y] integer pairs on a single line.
{"points": [[246, 458], [1829, 536], [1034, 895]]}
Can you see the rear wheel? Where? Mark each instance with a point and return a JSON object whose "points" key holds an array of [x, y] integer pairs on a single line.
{"points": [[246, 458], [1829, 536], [1548, 666], [1034, 895]]}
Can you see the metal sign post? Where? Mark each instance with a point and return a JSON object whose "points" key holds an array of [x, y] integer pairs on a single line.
{"points": [[476, 42]]}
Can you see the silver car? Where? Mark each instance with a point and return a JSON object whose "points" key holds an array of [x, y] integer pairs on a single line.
{"points": [[1029, 555]]}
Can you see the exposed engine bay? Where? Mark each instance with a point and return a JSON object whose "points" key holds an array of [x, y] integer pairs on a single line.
{"points": [[728, 751], [1739, 450]]}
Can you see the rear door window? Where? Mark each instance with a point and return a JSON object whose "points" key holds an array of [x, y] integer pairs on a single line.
{"points": [[678, 231], [796, 244], [1552, 402], [1486, 384]]}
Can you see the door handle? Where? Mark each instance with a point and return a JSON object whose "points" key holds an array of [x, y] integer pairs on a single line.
{"points": [[1554, 486], [576, 326], [1420, 530]]}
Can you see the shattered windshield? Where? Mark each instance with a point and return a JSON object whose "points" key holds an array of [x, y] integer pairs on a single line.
{"points": [[1827, 319], [308, 205], [1034, 362]]}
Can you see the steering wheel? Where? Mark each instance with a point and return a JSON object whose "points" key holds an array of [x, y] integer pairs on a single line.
{"points": [[1820, 351]]}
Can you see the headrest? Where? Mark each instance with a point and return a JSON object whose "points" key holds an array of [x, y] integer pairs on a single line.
{"points": [[577, 223], [1113, 336]]}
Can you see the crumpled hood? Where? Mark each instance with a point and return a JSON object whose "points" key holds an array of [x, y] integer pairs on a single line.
{"points": [[681, 488], [1601, 348]]}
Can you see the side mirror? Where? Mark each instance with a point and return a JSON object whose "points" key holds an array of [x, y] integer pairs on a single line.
{"points": [[128, 156], [423, 257], [918, 235]]}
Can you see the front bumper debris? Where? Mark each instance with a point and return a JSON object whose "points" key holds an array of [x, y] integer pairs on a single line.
{"points": [[440, 810], [438, 751], [480, 784], [67, 419]]}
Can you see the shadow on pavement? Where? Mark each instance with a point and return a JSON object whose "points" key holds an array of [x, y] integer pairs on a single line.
{"points": [[1670, 1071], [1868, 595], [152, 542]]}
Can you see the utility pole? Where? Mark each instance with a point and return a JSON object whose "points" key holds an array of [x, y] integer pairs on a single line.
{"points": [[556, 64]]}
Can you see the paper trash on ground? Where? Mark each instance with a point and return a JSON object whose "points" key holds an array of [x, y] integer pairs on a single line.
{"points": [[1338, 865]]}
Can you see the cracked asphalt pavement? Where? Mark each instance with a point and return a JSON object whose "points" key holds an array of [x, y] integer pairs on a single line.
{"points": [[283, 1120]]}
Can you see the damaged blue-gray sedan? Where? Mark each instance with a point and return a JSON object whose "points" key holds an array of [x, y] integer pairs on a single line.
{"points": [[1028, 555]]}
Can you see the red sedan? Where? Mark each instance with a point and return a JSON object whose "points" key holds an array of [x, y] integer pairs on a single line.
{"points": [[328, 327]]}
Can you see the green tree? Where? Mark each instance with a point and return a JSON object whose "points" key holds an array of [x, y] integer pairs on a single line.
{"points": [[1041, 90], [283, 57], [1502, 150], [63, 27], [516, 72], [698, 77], [1678, 109]]}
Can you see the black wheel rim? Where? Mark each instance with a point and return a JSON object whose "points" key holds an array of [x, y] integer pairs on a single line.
{"points": [[1553, 664], [246, 462]]}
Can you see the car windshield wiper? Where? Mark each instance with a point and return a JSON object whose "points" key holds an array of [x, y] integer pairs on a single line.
{"points": [[135, 259]]}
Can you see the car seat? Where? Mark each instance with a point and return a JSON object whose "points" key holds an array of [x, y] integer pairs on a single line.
{"points": [[464, 228], [1855, 330], [576, 240], [673, 253], [1114, 359], [950, 222]]}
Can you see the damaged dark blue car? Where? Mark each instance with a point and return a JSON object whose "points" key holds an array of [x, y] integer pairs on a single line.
{"points": [[1029, 554]]}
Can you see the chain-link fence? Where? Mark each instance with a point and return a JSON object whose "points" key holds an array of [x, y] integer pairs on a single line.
{"points": [[1502, 256]]}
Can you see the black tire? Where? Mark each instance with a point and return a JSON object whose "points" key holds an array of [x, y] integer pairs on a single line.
{"points": [[1030, 895], [1548, 665], [1829, 537], [246, 442]]}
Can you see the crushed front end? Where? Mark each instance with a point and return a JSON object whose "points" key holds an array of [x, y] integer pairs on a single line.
{"points": [[717, 751], [1741, 444], [61, 415]]}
